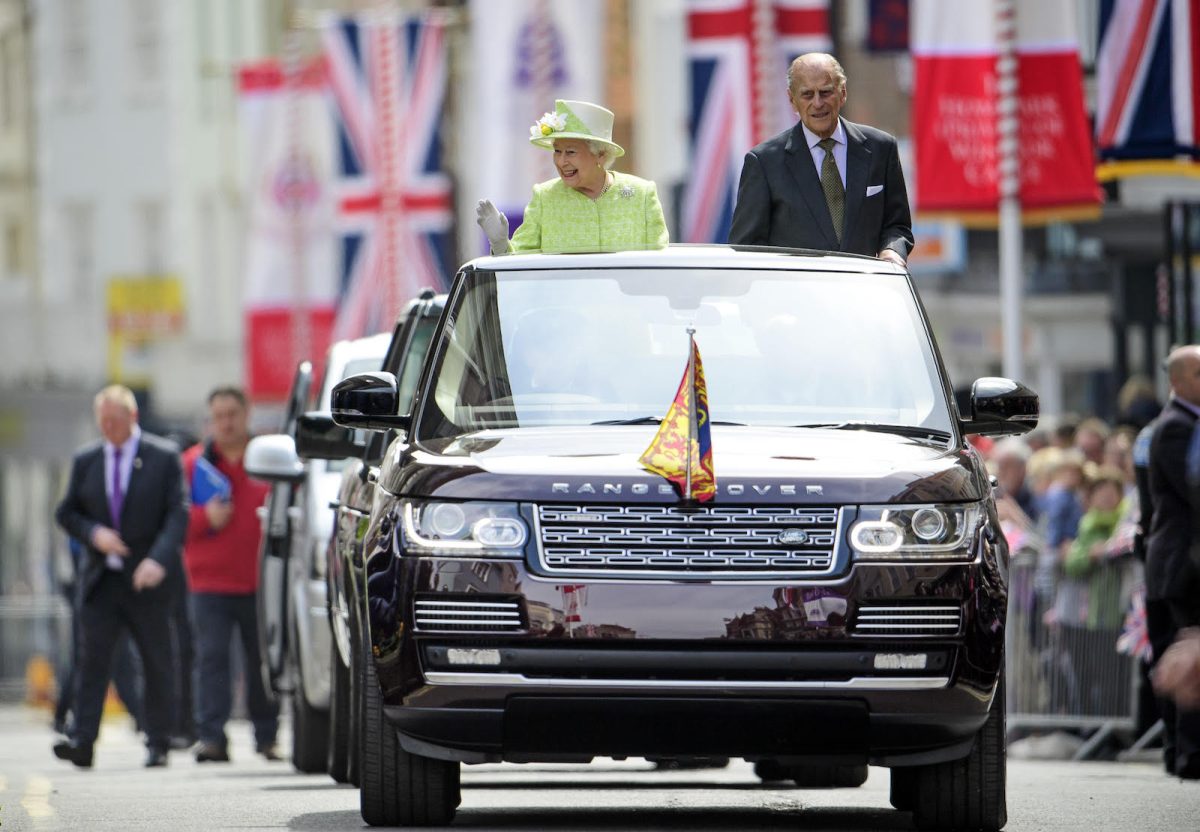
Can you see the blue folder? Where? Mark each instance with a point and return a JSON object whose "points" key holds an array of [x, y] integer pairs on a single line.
{"points": [[209, 483]]}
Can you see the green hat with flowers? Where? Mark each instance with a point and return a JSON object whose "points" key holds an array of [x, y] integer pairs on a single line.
{"points": [[575, 120]]}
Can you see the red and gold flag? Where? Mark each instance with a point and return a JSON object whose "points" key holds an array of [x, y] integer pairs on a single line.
{"points": [[682, 449]]}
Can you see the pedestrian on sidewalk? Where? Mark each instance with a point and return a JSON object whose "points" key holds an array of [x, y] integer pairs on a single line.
{"points": [[221, 560], [125, 501]]}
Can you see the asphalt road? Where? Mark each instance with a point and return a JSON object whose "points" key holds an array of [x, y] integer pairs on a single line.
{"points": [[38, 792]]}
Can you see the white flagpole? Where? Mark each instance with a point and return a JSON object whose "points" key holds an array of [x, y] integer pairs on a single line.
{"points": [[691, 365], [1010, 235]]}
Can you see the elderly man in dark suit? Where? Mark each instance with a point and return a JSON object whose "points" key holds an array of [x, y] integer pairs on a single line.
{"points": [[125, 501], [826, 183], [1172, 578]]}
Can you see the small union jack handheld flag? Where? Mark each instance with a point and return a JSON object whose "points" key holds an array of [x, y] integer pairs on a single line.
{"points": [[682, 449]]}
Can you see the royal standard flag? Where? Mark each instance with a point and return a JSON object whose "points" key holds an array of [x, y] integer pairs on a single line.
{"points": [[682, 449]]}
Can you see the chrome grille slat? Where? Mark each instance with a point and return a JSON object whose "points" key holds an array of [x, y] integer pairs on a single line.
{"points": [[907, 619], [489, 616], [666, 541]]}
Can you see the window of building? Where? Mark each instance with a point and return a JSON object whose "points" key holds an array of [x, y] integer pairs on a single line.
{"points": [[153, 224], [14, 260], [8, 81], [76, 54], [78, 223], [145, 46]]}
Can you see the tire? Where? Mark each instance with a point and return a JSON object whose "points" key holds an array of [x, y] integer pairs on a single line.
{"points": [[770, 771], [967, 794], [904, 784], [310, 731], [354, 758], [399, 788], [337, 761], [827, 777]]}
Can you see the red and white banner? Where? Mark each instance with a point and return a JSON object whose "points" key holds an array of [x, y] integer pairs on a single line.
{"points": [[291, 267], [955, 98]]}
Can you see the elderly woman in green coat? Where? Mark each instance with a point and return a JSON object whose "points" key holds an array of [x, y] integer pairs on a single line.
{"points": [[589, 206]]}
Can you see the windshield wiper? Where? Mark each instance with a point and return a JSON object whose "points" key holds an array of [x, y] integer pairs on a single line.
{"points": [[882, 427], [657, 420]]}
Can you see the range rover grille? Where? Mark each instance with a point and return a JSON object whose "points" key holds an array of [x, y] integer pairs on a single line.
{"points": [[667, 541], [473, 616], [908, 619]]}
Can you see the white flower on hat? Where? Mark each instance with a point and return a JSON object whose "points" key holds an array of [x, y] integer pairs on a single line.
{"points": [[547, 124]]}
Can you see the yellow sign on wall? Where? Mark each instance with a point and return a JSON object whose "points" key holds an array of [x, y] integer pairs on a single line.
{"points": [[142, 309]]}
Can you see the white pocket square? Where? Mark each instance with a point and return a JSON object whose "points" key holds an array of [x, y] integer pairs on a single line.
{"points": [[873, 189]]}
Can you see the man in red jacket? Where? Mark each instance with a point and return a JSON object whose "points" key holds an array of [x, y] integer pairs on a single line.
{"points": [[221, 560]]}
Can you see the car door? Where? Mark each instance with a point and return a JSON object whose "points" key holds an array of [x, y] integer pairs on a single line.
{"points": [[276, 546]]}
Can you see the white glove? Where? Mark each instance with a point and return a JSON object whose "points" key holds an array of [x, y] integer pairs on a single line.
{"points": [[494, 225]]}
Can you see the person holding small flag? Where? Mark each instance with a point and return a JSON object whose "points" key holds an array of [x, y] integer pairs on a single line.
{"points": [[589, 206]]}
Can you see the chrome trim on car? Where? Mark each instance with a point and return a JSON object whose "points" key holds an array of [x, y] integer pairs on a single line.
{"points": [[649, 541], [519, 680], [467, 615], [907, 619]]}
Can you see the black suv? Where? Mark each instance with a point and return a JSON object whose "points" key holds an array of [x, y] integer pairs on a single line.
{"points": [[534, 594]]}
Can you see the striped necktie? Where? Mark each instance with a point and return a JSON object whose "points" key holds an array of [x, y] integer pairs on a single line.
{"points": [[831, 184]]}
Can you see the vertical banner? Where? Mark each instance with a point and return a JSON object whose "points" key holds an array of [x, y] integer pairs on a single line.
{"points": [[887, 25], [394, 197], [738, 55], [1147, 81], [955, 104], [290, 279], [526, 54]]}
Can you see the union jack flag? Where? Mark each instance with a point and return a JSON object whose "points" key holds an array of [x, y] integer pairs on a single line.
{"points": [[738, 55], [1148, 79], [388, 78]]}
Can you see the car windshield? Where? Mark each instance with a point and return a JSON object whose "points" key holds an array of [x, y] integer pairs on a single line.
{"points": [[587, 346]]}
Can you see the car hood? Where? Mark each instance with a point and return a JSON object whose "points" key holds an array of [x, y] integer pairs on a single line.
{"points": [[757, 465]]}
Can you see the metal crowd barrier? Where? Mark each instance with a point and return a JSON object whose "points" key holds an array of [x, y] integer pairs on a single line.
{"points": [[1062, 665], [32, 628]]}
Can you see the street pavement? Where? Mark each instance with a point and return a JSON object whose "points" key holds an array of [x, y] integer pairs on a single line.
{"points": [[39, 792]]}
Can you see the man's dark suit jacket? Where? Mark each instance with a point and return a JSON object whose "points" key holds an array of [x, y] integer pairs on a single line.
{"points": [[154, 515], [780, 201], [1170, 573]]}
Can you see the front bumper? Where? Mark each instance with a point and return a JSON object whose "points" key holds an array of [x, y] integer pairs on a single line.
{"points": [[662, 668]]}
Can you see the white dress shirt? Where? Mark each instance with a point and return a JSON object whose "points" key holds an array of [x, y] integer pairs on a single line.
{"points": [[128, 452]]}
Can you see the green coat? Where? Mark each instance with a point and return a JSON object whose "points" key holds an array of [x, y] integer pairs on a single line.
{"points": [[560, 218]]}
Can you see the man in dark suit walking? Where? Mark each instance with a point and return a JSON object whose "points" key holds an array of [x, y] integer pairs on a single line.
{"points": [[826, 183], [1172, 578], [125, 502]]}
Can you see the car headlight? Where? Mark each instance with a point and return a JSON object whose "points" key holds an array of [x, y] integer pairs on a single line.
{"points": [[471, 528], [896, 532]]}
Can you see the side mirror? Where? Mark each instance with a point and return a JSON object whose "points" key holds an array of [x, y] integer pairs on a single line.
{"points": [[273, 457], [319, 437], [1001, 406], [370, 401]]}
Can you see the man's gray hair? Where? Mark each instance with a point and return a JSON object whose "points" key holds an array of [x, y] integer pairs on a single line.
{"points": [[839, 74], [118, 394]]}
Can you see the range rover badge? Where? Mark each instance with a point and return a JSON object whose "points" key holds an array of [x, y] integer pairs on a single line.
{"points": [[792, 537]]}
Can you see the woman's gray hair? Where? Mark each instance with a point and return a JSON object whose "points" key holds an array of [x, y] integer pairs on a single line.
{"points": [[603, 151]]}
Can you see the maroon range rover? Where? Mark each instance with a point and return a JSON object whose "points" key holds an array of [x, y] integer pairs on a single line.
{"points": [[534, 594]]}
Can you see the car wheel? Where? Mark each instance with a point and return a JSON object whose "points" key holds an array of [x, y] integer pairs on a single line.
{"points": [[904, 784], [770, 771], [339, 719], [354, 758], [827, 777], [967, 794], [310, 731], [399, 788]]}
